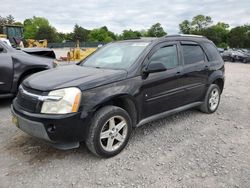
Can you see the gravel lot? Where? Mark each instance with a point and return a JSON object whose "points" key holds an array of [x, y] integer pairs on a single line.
{"points": [[189, 149]]}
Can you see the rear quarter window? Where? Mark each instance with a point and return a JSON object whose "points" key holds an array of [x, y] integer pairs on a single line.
{"points": [[212, 52], [192, 54]]}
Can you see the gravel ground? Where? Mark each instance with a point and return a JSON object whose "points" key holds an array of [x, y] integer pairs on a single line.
{"points": [[189, 149]]}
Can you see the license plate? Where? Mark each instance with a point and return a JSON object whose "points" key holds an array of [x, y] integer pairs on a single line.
{"points": [[14, 120]]}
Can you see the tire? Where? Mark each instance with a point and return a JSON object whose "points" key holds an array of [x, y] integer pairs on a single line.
{"points": [[211, 103], [115, 138], [232, 59], [244, 61]]}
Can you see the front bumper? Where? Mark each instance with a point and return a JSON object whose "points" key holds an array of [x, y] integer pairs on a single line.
{"points": [[62, 131]]}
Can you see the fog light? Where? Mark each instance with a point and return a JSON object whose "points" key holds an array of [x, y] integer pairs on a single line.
{"points": [[51, 128]]}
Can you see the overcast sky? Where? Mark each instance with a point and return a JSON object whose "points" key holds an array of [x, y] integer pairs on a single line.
{"points": [[118, 15]]}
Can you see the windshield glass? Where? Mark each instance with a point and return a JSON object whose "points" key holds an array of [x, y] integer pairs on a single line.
{"points": [[116, 55]]}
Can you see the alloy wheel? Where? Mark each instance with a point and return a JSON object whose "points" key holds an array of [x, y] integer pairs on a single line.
{"points": [[113, 133], [214, 99]]}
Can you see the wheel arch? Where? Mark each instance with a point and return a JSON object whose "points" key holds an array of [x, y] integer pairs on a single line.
{"points": [[218, 79], [28, 72], [123, 101]]}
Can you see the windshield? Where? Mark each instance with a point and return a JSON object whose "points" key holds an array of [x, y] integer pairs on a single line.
{"points": [[116, 55]]}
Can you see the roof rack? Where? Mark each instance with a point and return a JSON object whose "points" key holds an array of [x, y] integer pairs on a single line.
{"points": [[185, 35]]}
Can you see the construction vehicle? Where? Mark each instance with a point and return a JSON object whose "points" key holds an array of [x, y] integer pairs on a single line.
{"points": [[37, 43], [77, 53], [13, 36], [14, 33]]}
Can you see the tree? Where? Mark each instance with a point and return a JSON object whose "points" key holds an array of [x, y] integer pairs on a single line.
{"points": [[129, 34], [218, 34], [200, 22], [32, 25], [185, 27], [239, 37], [10, 19], [99, 35], [202, 25], [47, 32], [80, 33], [63, 37], [110, 33], [156, 30]]}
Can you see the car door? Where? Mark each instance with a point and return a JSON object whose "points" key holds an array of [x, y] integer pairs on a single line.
{"points": [[6, 70], [161, 90], [194, 76]]}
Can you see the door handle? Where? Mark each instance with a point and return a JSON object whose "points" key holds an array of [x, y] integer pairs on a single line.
{"points": [[206, 67], [178, 73]]}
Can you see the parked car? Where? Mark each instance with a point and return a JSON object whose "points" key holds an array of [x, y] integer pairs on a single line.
{"points": [[241, 56], [236, 55], [15, 66], [123, 85], [227, 55]]}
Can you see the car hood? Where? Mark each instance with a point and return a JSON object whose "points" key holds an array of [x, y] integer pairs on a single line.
{"points": [[20, 56], [73, 76]]}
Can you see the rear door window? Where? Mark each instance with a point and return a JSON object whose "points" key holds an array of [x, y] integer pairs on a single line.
{"points": [[192, 54]]}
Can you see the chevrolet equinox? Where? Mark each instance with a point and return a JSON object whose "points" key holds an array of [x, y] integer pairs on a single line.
{"points": [[123, 85]]}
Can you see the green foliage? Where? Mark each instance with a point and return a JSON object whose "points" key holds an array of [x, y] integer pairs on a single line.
{"points": [[200, 22], [239, 37], [100, 35], [47, 32], [156, 30], [63, 37], [185, 27], [7, 20], [80, 33], [202, 25], [10, 19], [217, 33], [32, 25], [129, 34]]}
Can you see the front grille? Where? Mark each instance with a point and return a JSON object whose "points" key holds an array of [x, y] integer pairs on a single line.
{"points": [[26, 102]]}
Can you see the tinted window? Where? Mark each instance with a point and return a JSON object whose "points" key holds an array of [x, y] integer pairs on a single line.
{"points": [[166, 55], [192, 54], [212, 52]]}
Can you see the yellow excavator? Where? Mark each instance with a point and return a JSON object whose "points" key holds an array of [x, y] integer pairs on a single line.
{"points": [[37, 43], [77, 54]]}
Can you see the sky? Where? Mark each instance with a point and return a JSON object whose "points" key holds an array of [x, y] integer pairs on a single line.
{"points": [[118, 15]]}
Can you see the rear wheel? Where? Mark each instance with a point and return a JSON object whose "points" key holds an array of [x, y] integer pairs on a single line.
{"points": [[212, 99], [109, 132]]}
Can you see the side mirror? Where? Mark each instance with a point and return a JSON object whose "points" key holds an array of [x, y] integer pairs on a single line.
{"points": [[155, 67], [1, 49]]}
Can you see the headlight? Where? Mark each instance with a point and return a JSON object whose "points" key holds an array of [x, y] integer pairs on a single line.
{"points": [[69, 102]]}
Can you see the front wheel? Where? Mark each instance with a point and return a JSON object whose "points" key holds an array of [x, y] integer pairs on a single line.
{"points": [[212, 99], [109, 132]]}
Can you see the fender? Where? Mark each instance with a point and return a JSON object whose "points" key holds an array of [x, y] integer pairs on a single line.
{"points": [[216, 75], [95, 98]]}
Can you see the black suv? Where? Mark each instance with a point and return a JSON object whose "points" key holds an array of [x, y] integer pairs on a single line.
{"points": [[122, 85], [16, 65]]}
